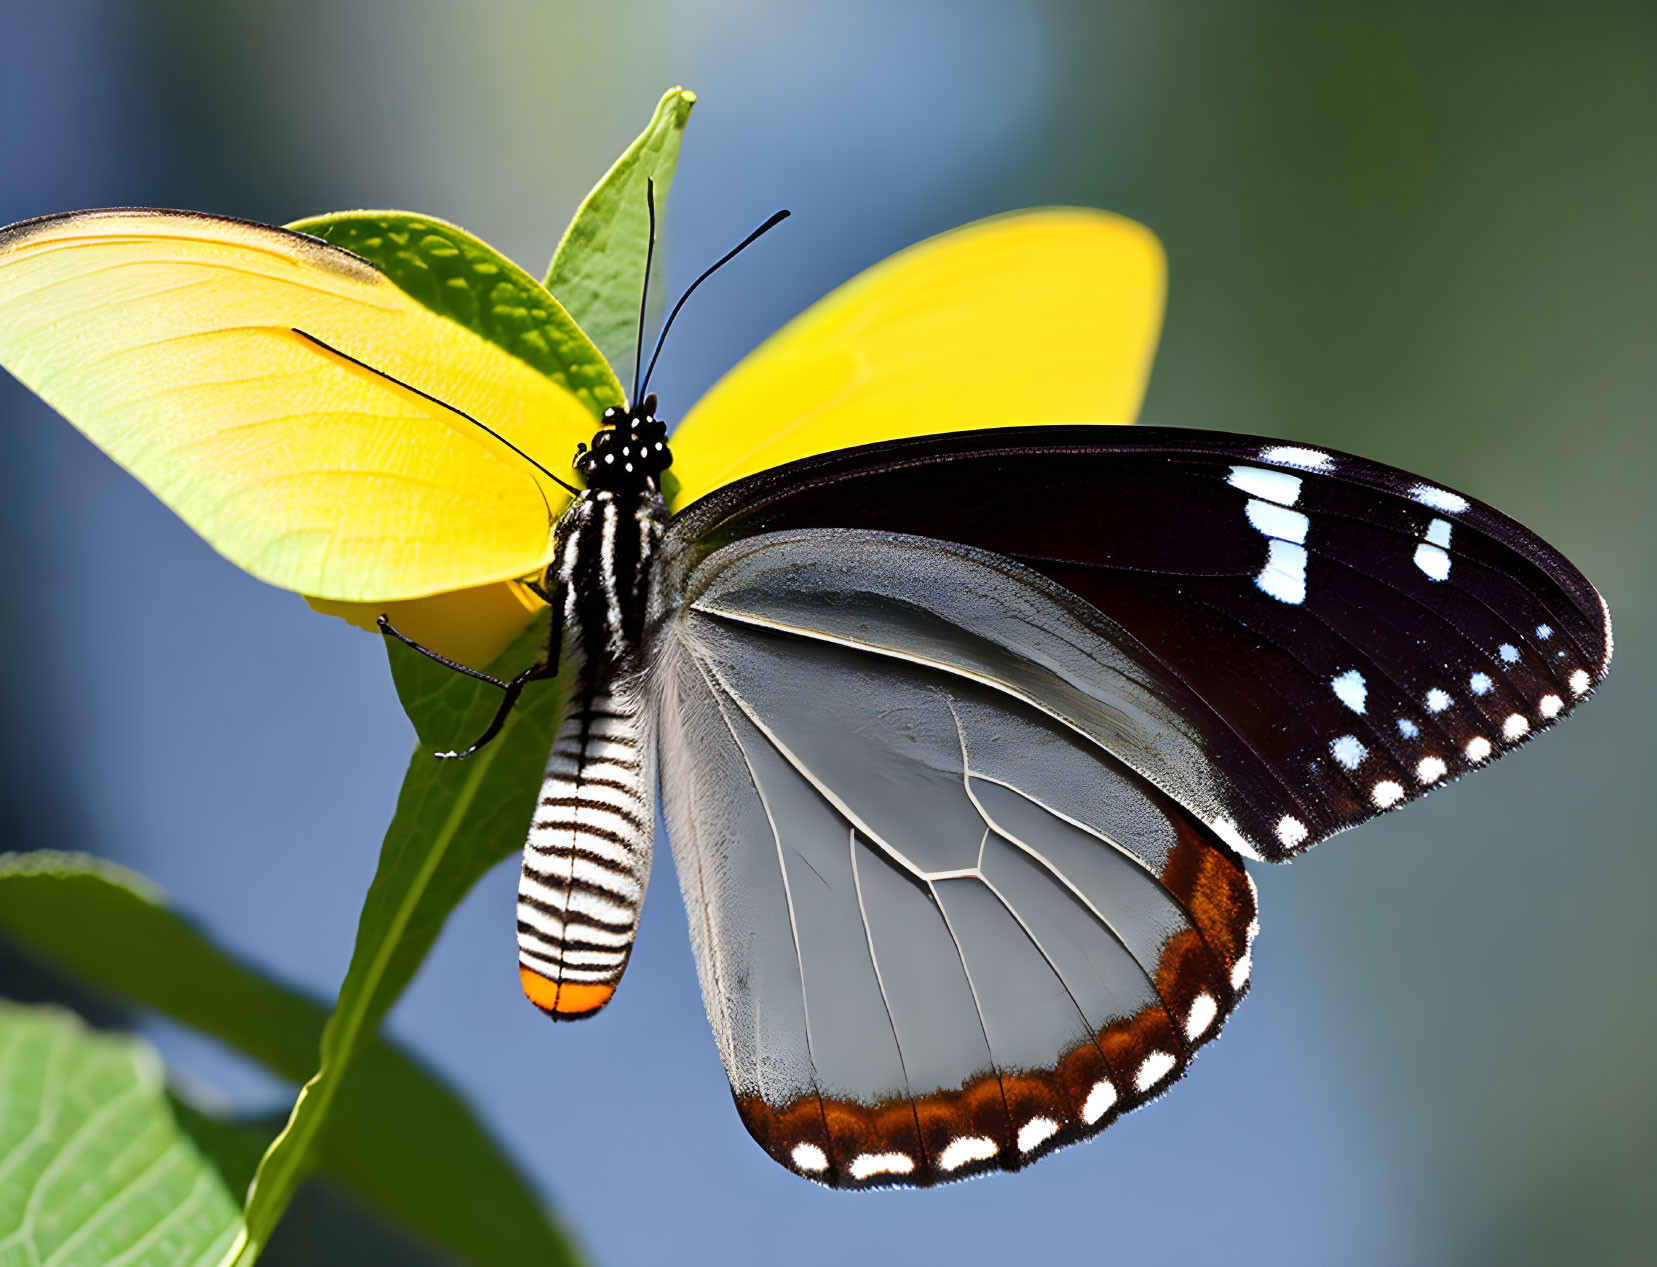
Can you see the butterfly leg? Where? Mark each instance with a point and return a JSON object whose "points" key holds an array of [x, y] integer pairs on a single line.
{"points": [[543, 668], [534, 673], [390, 632]]}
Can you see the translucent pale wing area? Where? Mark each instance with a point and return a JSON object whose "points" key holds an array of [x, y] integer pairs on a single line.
{"points": [[942, 924], [1039, 317], [178, 344]]}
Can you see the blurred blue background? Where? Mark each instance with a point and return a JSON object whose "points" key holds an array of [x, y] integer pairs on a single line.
{"points": [[1424, 233]]}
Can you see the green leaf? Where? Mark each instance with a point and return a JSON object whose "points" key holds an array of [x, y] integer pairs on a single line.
{"points": [[94, 1169], [110, 927], [397, 1136], [598, 268], [454, 820], [449, 271]]}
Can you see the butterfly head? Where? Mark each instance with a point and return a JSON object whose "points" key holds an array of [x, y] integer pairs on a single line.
{"points": [[629, 452]]}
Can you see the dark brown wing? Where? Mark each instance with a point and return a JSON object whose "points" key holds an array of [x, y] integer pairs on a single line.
{"points": [[1345, 635]]}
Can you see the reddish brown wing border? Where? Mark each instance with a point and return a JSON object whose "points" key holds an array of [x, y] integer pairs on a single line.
{"points": [[1006, 1120]]}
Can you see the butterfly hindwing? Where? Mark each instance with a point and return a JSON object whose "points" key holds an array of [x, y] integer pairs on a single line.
{"points": [[1337, 636], [941, 926]]}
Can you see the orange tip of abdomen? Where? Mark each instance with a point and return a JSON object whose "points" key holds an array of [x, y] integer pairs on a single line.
{"points": [[567, 1000]]}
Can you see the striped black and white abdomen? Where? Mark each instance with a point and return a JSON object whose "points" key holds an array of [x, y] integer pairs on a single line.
{"points": [[587, 858]]}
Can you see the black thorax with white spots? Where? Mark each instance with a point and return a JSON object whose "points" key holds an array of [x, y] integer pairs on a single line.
{"points": [[587, 860]]}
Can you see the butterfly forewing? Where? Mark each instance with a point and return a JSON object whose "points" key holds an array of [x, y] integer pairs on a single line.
{"points": [[1336, 636], [941, 926]]}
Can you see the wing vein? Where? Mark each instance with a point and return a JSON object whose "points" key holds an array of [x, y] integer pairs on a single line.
{"points": [[787, 888], [967, 776], [1007, 689], [707, 919], [966, 785], [823, 789], [885, 1002], [978, 1007], [1048, 866]]}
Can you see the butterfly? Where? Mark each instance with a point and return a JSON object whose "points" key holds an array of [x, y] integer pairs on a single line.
{"points": [[965, 709]]}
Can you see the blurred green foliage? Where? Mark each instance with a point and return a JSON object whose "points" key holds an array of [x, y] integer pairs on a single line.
{"points": [[397, 1137]]}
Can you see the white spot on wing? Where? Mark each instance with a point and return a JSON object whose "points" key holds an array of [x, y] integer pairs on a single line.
{"points": [[1241, 969], [1099, 1101], [1477, 749], [1274, 486], [1201, 1016], [1284, 576], [965, 1149], [1479, 683], [1408, 728], [1433, 556], [1430, 769], [1350, 689], [1036, 1132], [1517, 726], [1549, 706], [1437, 700], [809, 1158], [1508, 652], [866, 1165], [1271, 492], [1273, 520], [1291, 831], [1433, 562], [1290, 455], [1152, 1070], [1439, 498], [1544, 632], [1386, 794], [1579, 682], [1348, 751]]}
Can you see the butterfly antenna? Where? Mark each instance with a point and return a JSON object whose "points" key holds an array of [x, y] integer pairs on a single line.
{"points": [[725, 259], [644, 291], [442, 404]]}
